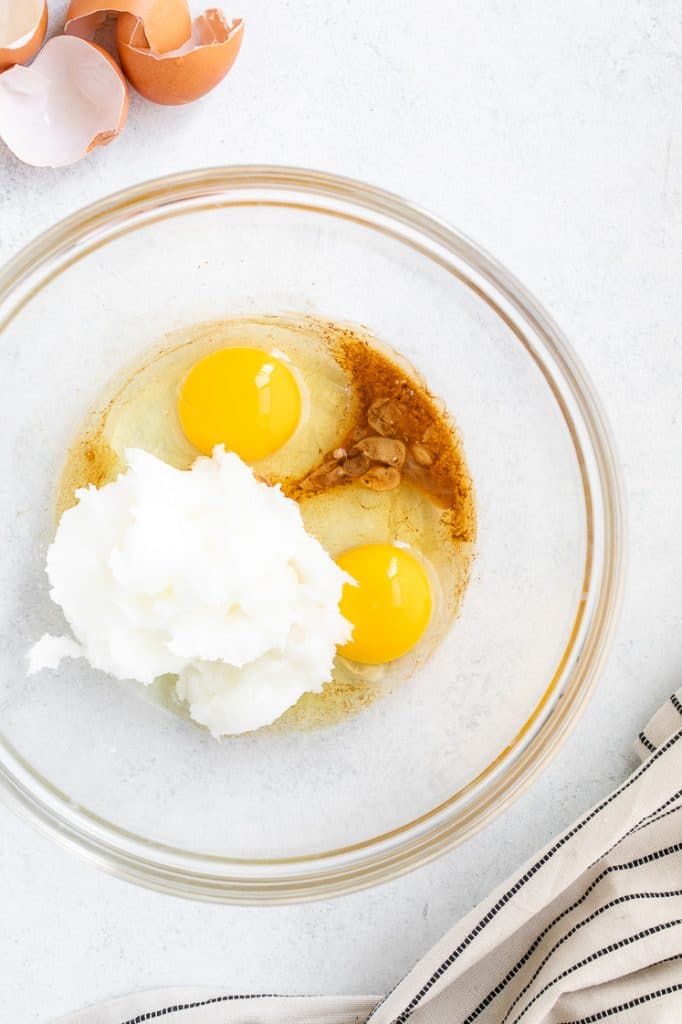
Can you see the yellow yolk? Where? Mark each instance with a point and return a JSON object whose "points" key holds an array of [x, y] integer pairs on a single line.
{"points": [[243, 398], [390, 606]]}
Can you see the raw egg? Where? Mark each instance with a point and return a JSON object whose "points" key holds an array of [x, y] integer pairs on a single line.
{"points": [[389, 603], [243, 398], [141, 409]]}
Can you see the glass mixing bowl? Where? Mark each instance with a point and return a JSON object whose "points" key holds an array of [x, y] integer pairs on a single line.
{"points": [[283, 817]]}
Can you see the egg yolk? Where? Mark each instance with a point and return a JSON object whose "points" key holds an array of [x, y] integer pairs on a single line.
{"points": [[243, 398], [390, 605]]}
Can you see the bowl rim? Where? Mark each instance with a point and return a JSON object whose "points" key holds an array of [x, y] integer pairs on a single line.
{"points": [[377, 859]]}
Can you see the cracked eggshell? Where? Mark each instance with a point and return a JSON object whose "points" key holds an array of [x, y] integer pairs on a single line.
{"points": [[23, 24], [167, 23], [72, 99], [184, 74]]}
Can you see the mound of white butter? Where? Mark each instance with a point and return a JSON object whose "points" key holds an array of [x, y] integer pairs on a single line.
{"points": [[207, 574]]}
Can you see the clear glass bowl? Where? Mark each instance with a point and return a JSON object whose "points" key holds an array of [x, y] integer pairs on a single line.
{"points": [[275, 818]]}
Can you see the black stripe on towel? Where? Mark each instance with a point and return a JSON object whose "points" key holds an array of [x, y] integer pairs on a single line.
{"points": [[597, 955], [631, 1004], [649, 819], [525, 878], [646, 742], [659, 817], [610, 870]]}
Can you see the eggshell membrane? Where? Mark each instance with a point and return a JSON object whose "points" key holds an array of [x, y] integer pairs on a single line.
{"points": [[167, 23], [185, 74], [72, 99], [23, 24]]}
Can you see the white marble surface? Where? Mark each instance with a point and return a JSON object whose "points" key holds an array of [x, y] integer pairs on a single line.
{"points": [[551, 133]]}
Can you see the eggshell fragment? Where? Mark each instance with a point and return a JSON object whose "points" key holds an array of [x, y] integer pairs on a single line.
{"points": [[167, 23], [184, 74], [23, 24], [72, 99]]}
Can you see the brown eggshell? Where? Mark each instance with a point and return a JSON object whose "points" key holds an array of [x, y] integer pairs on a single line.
{"points": [[167, 23], [183, 75], [31, 21], [72, 99]]}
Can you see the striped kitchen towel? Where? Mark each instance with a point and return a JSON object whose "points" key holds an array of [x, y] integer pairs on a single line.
{"points": [[589, 930]]}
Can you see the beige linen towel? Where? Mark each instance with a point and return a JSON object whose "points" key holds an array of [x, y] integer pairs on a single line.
{"points": [[589, 930]]}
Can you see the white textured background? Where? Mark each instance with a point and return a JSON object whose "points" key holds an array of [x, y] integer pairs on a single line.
{"points": [[550, 132]]}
